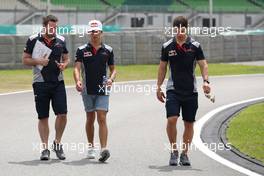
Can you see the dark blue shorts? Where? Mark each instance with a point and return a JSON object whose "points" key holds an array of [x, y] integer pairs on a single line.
{"points": [[187, 105], [46, 92]]}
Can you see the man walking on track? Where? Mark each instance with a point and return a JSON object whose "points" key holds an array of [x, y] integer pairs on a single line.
{"points": [[92, 62], [48, 84], [182, 53]]}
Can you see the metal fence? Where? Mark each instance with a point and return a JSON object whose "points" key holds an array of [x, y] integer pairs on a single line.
{"points": [[145, 48]]}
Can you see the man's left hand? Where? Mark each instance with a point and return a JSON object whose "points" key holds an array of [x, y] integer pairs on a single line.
{"points": [[109, 82]]}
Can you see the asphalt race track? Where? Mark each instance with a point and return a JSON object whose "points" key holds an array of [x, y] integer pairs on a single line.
{"points": [[137, 135]]}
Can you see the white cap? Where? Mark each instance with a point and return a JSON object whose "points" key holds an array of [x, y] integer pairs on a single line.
{"points": [[95, 25]]}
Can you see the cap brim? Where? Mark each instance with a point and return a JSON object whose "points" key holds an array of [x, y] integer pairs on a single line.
{"points": [[95, 29]]}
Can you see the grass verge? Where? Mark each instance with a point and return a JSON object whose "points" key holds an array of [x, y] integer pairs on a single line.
{"points": [[246, 131]]}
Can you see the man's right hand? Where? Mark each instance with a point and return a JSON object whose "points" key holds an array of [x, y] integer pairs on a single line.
{"points": [[43, 61], [160, 95], [79, 86]]}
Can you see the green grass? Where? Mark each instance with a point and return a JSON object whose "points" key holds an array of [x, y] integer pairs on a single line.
{"points": [[246, 131], [16, 80]]}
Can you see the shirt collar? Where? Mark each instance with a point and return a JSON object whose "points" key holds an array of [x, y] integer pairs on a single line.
{"points": [[41, 37], [91, 46]]}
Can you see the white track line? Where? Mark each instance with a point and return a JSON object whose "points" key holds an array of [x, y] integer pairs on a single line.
{"points": [[69, 87], [140, 81], [200, 145], [18, 92]]}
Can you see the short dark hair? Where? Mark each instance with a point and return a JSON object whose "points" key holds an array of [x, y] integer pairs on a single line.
{"points": [[49, 18], [180, 21]]}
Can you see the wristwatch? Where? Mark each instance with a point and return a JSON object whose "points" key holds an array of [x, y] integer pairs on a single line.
{"points": [[206, 81]]}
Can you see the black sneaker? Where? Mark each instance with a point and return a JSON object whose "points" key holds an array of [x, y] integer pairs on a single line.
{"points": [[57, 148], [105, 154], [184, 160], [45, 155], [174, 158]]}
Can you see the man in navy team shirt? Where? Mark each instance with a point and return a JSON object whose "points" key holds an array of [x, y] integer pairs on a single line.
{"points": [[48, 84], [92, 63], [182, 53]]}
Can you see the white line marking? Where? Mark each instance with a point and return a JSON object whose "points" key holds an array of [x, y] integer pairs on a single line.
{"points": [[70, 87], [18, 92], [139, 81], [200, 145]]}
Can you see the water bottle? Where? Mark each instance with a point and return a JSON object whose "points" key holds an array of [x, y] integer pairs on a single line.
{"points": [[107, 89]]}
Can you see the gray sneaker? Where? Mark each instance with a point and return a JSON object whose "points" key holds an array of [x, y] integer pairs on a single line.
{"points": [[57, 148], [45, 155], [174, 158], [184, 160], [105, 154]]}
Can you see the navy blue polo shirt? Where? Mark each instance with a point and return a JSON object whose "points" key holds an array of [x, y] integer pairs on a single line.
{"points": [[94, 66], [51, 72], [182, 62]]}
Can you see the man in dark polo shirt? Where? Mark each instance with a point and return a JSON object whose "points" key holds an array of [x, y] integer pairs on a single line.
{"points": [[92, 63], [48, 84], [182, 53]]}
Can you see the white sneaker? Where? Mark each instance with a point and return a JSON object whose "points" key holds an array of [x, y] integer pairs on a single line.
{"points": [[91, 153]]}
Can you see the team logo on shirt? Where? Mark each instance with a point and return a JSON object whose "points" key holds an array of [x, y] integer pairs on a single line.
{"points": [[87, 54], [58, 45], [104, 53], [172, 53]]}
